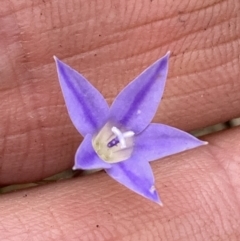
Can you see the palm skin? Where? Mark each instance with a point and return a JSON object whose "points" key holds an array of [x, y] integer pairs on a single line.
{"points": [[111, 43]]}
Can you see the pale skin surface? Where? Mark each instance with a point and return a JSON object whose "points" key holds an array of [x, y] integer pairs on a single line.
{"points": [[111, 42]]}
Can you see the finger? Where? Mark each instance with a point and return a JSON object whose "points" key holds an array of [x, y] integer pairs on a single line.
{"points": [[200, 190], [37, 137]]}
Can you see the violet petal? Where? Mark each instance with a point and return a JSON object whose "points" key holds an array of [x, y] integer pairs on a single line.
{"points": [[137, 103], [158, 141], [86, 157], [87, 108], [136, 175]]}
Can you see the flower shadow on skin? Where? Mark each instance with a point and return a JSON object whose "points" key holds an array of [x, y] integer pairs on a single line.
{"points": [[121, 139]]}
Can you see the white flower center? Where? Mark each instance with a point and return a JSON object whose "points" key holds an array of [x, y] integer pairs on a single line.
{"points": [[113, 144]]}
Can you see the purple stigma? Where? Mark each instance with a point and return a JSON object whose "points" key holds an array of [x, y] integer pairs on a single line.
{"points": [[113, 142]]}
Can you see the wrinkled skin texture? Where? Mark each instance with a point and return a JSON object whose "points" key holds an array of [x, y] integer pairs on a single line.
{"points": [[111, 42]]}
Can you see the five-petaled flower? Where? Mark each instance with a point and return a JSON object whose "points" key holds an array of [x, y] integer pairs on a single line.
{"points": [[120, 139]]}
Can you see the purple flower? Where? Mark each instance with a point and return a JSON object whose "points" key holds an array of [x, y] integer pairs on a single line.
{"points": [[120, 139]]}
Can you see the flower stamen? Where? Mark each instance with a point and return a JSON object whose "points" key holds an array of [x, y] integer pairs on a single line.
{"points": [[120, 137]]}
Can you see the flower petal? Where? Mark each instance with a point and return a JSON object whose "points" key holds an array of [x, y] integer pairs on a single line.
{"points": [[86, 157], [137, 104], [136, 175], [158, 141], [87, 108]]}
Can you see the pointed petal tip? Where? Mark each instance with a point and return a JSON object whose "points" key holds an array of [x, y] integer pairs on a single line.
{"points": [[74, 168], [57, 61], [167, 55], [158, 201], [202, 143], [198, 143], [164, 61], [155, 197], [55, 58]]}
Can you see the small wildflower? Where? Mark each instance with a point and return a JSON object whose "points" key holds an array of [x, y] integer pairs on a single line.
{"points": [[120, 139]]}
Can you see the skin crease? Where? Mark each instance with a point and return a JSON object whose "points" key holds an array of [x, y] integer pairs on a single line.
{"points": [[111, 42]]}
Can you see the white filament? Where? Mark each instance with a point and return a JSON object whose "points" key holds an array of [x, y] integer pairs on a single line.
{"points": [[128, 134], [120, 136]]}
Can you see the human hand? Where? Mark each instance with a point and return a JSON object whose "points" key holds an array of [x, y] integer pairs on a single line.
{"points": [[110, 44]]}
